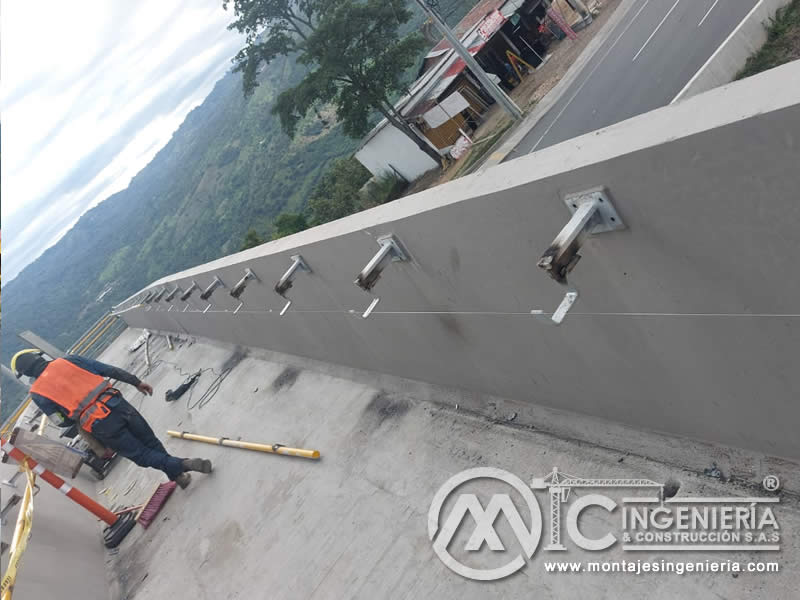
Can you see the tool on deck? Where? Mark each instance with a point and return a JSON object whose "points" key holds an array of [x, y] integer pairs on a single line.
{"points": [[148, 511], [222, 441], [96, 456], [179, 391]]}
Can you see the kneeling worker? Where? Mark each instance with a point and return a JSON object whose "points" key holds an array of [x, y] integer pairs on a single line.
{"points": [[74, 389]]}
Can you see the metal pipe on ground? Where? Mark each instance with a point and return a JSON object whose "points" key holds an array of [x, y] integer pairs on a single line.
{"points": [[221, 441]]}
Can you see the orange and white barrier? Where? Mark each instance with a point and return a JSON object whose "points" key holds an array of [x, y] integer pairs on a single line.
{"points": [[62, 486], [118, 526]]}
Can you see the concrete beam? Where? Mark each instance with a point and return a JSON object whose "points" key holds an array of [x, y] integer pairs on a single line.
{"points": [[41, 344], [686, 321]]}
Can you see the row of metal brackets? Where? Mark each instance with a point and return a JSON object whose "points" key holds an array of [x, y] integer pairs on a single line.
{"points": [[389, 251], [592, 212]]}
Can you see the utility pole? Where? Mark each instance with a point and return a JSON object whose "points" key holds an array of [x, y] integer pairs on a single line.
{"points": [[494, 90]]}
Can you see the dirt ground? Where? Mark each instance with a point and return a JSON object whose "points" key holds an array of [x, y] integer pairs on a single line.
{"points": [[533, 88]]}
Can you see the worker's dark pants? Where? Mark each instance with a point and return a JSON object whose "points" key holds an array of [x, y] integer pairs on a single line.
{"points": [[125, 431]]}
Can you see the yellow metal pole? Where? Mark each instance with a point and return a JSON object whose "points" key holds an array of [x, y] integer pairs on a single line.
{"points": [[97, 337], [86, 335], [272, 449], [15, 417]]}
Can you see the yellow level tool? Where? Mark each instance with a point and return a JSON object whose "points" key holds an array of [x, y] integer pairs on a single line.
{"points": [[273, 449]]}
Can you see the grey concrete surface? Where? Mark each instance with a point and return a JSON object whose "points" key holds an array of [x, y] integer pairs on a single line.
{"points": [[629, 75], [707, 188], [732, 54], [65, 555], [354, 524]]}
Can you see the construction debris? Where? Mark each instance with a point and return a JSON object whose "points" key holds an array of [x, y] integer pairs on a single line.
{"points": [[139, 341], [714, 472]]}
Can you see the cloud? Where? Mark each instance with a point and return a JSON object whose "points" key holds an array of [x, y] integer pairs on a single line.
{"points": [[91, 103]]}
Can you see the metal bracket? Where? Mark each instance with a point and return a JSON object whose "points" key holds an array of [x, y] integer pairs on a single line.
{"points": [[592, 212], [237, 290], [211, 287], [370, 308], [148, 297], [171, 295], [13, 481], [390, 251], [285, 282], [12, 502], [185, 296], [160, 294], [563, 308]]}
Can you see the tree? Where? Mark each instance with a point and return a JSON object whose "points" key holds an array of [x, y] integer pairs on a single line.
{"points": [[356, 58], [271, 28], [337, 193], [287, 224], [251, 239]]}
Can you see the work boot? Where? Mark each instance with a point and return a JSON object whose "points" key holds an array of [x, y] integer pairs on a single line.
{"points": [[183, 480], [201, 465]]}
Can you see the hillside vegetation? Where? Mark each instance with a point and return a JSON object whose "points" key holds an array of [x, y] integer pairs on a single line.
{"points": [[782, 45], [229, 169]]}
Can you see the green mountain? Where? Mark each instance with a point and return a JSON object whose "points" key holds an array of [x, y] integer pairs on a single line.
{"points": [[226, 169]]}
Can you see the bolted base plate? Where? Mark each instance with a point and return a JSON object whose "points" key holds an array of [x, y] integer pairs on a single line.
{"points": [[607, 218]]}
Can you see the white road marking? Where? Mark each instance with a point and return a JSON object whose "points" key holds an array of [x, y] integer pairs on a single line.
{"points": [[580, 87], [708, 13], [716, 52], [656, 29]]}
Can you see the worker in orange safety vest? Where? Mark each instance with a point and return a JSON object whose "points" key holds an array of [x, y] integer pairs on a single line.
{"points": [[75, 389]]}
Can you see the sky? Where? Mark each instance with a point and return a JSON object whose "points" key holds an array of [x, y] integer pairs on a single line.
{"points": [[90, 91]]}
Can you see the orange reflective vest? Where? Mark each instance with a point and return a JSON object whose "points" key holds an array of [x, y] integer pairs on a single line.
{"points": [[75, 390]]}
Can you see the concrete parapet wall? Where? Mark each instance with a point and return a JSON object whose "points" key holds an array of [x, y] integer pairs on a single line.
{"points": [[687, 321], [732, 55]]}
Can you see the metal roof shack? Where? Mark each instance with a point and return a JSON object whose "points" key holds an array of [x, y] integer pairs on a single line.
{"points": [[446, 101]]}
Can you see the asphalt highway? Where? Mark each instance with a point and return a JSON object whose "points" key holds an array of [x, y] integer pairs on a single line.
{"points": [[646, 61]]}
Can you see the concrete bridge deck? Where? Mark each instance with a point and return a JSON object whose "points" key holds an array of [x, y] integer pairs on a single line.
{"points": [[354, 523]]}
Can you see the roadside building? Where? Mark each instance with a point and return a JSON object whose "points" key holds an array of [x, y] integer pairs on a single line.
{"points": [[508, 38]]}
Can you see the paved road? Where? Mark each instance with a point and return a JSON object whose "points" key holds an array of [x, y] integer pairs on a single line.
{"points": [[649, 57]]}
